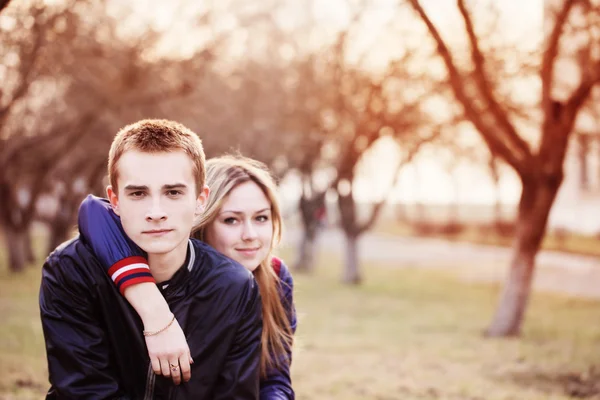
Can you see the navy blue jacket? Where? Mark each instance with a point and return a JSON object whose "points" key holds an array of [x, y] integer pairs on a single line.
{"points": [[94, 340], [126, 264]]}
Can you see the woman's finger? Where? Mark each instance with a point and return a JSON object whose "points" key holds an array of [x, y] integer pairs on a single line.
{"points": [[175, 371], [184, 364], [155, 365], [164, 367]]}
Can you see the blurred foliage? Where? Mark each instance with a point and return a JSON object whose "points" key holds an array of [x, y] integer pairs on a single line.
{"points": [[77, 71]]}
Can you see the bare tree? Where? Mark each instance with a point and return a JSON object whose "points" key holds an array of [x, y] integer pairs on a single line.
{"points": [[69, 76], [3, 4], [337, 112], [541, 169]]}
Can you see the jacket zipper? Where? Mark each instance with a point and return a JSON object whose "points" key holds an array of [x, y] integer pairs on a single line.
{"points": [[150, 378], [173, 393]]}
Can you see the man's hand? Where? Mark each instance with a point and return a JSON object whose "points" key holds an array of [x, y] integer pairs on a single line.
{"points": [[170, 354]]}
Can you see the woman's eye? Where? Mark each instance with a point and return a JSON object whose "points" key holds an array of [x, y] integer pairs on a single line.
{"points": [[230, 221], [262, 218]]}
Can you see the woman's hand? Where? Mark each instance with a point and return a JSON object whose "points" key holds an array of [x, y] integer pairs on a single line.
{"points": [[167, 347], [169, 352]]}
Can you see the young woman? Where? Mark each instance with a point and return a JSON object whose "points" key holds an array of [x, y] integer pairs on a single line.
{"points": [[242, 219]]}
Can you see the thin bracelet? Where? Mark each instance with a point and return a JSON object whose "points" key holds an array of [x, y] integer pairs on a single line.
{"points": [[151, 333]]}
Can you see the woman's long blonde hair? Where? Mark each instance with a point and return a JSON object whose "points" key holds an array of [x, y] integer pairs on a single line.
{"points": [[223, 174]]}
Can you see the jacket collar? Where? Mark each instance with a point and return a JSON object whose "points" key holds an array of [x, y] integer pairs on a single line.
{"points": [[170, 286]]}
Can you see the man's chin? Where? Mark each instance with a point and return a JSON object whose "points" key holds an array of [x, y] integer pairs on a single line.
{"points": [[157, 248]]}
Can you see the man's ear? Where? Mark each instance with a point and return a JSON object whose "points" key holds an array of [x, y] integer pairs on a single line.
{"points": [[201, 200], [113, 198]]}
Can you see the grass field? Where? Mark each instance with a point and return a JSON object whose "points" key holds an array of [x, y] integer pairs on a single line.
{"points": [[403, 334]]}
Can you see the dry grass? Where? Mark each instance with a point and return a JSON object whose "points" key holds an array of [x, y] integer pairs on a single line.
{"points": [[403, 334], [22, 353], [415, 334]]}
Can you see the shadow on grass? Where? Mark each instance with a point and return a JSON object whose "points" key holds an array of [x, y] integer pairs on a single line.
{"points": [[579, 385]]}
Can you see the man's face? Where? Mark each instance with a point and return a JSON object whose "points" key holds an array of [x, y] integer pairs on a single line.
{"points": [[157, 199]]}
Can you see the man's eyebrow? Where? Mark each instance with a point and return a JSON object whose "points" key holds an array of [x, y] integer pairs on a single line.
{"points": [[175, 186], [136, 187]]}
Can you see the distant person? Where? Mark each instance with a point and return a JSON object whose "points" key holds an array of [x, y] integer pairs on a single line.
{"points": [[95, 339], [243, 221], [321, 216]]}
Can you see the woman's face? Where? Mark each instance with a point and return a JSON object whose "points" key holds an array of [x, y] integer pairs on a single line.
{"points": [[243, 228]]}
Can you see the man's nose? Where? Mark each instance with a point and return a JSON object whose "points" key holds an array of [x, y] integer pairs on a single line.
{"points": [[156, 212]]}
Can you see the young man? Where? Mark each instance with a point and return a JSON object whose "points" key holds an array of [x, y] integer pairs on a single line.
{"points": [[95, 340]]}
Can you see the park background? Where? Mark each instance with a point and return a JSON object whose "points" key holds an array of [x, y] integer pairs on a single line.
{"points": [[438, 165]]}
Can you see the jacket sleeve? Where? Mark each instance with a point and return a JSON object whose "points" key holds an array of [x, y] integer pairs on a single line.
{"points": [[101, 228], [77, 349], [278, 383], [240, 373]]}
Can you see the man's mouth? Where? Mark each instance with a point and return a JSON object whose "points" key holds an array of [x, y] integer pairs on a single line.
{"points": [[157, 232]]}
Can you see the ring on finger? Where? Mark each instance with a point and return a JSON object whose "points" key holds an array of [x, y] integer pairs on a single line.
{"points": [[174, 367]]}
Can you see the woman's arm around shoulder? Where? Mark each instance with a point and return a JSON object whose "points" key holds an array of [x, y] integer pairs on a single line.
{"points": [[101, 229]]}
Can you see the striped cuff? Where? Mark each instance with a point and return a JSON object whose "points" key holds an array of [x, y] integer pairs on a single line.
{"points": [[130, 271], [276, 264]]}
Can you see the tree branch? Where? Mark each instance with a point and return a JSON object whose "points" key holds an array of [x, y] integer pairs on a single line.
{"points": [[27, 64], [378, 207], [3, 4], [547, 68], [589, 79], [485, 89], [472, 111]]}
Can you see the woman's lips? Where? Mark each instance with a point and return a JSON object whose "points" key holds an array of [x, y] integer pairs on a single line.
{"points": [[248, 252]]}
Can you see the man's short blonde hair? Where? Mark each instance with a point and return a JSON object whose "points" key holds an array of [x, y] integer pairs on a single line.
{"points": [[155, 136]]}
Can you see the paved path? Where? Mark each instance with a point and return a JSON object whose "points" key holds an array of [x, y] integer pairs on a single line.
{"points": [[557, 272]]}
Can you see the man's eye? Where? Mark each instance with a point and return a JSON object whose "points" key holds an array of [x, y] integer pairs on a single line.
{"points": [[174, 192], [136, 194]]}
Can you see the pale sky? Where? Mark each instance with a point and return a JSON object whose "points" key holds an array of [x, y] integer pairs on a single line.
{"points": [[521, 24]]}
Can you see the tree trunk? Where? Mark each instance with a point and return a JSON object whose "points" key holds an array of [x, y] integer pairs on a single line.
{"points": [[453, 213], [421, 212], [306, 253], [29, 252], [16, 246], [583, 143], [351, 273], [498, 218], [401, 213], [307, 248], [59, 233], [534, 208]]}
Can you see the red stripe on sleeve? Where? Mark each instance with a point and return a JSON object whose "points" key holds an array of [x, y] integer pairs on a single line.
{"points": [[126, 262], [276, 264], [135, 281]]}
